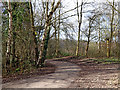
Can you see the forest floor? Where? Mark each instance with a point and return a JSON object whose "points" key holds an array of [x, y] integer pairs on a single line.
{"points": [[73, 73], [49, 68]]}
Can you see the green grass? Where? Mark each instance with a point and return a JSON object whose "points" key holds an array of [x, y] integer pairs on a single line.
{"points": [[108, 60]]}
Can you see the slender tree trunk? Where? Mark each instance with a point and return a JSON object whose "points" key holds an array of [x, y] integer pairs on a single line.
{"points": [[81, 50], [55, 36], [34, 35], [13, 49], [119, 32], [9, 38], [111, 35], [58, 31], [108, 53], [99, 43], [44, 43], [79, 27], [119, 44], [86, 53]]}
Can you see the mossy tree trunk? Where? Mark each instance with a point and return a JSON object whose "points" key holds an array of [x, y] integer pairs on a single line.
{"points": [[13, 47], [8, 53], [34, 33], [44, 43]]}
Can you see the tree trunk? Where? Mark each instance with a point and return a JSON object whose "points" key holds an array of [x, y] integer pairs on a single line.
{"points": [[108, 50], [44, 43], [111, 35], [13, 49], [119, 44], [33, 31], [44, 46], [57, 48], [79, 27], [86, 53], [119, 32], [81, 50], [55, 36], [99, 43], [9, 38]]}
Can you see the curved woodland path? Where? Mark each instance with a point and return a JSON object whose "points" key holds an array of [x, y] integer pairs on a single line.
{"points": [[73, 73], [64, 75]]}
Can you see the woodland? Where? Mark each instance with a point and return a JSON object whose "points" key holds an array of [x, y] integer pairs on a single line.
{"points": [[38, 30]]}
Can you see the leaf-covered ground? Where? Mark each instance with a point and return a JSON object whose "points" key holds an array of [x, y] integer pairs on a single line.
{"points": [[97, 73], [49, 68]]}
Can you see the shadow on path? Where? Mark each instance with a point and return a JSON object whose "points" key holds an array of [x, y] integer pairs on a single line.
{"points": [[65, 73]]}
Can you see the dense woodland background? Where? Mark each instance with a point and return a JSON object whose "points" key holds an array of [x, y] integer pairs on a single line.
{"points": [[33, 32]]}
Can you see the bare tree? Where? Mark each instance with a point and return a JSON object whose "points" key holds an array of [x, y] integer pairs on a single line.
{"points": [[111, 24], [58, 31], [44, 43], [79, 14], [91, 21], [33, 31]]}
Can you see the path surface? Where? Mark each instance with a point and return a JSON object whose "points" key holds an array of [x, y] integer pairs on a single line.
{"points": [[65, 73], [96, 75], [84, 73]]}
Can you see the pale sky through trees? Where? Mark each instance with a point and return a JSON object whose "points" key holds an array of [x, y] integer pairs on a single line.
{"points": [[69, 4]]}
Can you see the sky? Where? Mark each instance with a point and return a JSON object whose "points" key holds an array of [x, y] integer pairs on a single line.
{"points": [[70, 4]]}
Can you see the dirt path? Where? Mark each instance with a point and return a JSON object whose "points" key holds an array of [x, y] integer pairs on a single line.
{"points": [[95, 75], [74, 73], [65, 74]]}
